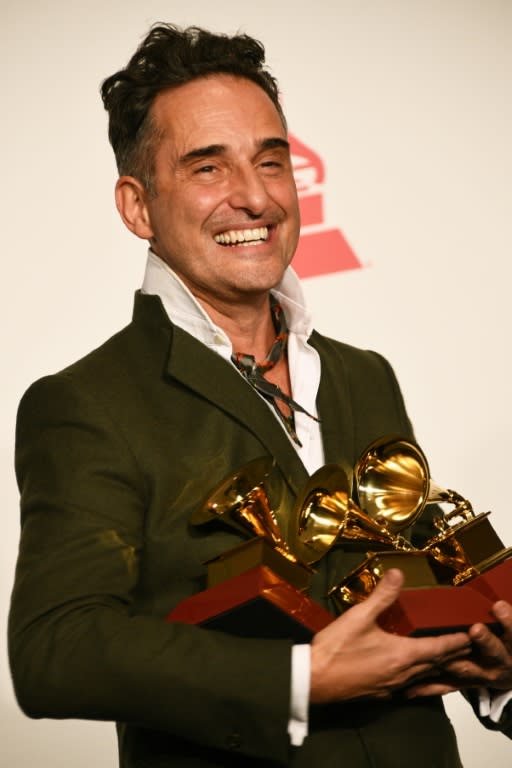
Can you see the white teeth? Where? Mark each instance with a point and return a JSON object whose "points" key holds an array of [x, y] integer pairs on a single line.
{"points": [[233, 236]]}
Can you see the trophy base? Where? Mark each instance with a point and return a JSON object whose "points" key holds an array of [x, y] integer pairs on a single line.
{"points": [[416, 566], [250, 554], [495, 583], [468, 549], [437, 611], [256, 603]]}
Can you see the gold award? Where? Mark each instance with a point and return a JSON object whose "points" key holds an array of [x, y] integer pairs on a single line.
{"points": [[258, 588], [393, 488]]}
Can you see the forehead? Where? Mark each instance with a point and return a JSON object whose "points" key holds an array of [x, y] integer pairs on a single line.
{"points": [[218, 109]]}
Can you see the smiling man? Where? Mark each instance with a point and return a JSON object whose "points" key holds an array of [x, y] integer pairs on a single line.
{"points": [[224, 213], [219, 366]]}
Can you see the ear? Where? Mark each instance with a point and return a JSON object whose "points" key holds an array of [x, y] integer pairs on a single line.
{"points": [[131, 204]]}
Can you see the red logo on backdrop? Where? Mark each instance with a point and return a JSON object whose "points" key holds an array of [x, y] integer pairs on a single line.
{"points": [[322, 249]]}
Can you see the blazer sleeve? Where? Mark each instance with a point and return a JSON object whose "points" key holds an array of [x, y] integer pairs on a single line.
{"points": [[78, 648]]}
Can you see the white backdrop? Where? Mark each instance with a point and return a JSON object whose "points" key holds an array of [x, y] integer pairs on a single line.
{"points": [[408, 103]]}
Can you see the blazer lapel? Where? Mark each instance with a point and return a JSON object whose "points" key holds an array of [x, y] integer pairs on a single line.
{"points": [[211, 377], [205, 372], [334, 405]]}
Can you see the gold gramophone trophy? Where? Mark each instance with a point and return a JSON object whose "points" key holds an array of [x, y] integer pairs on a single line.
{"points": [[259, 587], [453, 580]]}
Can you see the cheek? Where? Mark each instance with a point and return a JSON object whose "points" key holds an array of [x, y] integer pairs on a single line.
{"points": [[196, 211], [285, 195], [290, 205], [207, 201]]}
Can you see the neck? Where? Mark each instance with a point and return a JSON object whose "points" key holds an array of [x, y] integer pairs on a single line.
{"points": [[249, 327]]}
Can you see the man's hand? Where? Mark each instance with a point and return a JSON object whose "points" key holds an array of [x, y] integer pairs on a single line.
{"points": [[353, 657], [490, 663]]}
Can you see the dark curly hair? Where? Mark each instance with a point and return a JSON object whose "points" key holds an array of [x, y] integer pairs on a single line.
{"points": [[169, 57]]}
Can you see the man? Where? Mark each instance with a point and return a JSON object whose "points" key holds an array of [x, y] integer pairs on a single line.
{"points": [[116, 452]]}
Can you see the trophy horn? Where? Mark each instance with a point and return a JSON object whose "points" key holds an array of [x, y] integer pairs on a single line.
{"points": [[242, 502], [326, 513], [393, 484]]}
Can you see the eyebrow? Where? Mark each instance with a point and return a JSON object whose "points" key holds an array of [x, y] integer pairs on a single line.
{"points": [[274, 143], [200, 152], [219, 149]]}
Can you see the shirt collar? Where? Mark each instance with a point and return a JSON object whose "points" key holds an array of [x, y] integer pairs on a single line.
{"points": [[186, 312]]}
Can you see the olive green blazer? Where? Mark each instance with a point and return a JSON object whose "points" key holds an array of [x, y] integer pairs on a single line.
{"points": [[113, 455]]}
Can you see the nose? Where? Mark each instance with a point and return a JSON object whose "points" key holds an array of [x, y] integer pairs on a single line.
{"points": [[248, 191]]}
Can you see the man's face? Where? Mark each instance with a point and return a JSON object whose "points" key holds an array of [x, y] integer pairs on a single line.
{"points": [[225, 216]]}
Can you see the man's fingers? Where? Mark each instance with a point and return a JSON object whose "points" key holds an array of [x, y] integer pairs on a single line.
{"points": [[429, 689], [503, 612], [429, 650], [385, 593], [443, 649], [490, 647]]}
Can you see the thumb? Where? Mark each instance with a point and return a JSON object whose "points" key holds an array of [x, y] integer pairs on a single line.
{"points": [[385, 593]]}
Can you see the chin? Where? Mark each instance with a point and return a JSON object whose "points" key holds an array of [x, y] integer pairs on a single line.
{"points": [[261, 278]]}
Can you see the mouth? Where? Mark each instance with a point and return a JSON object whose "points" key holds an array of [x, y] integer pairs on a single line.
{"points": [[242, 236]]}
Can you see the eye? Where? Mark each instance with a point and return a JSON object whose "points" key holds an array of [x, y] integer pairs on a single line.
{"points": [[275, 161], [205, 169], [271, 167]]}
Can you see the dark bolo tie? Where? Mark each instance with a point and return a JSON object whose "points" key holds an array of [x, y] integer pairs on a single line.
{"points": [[255, 372]]}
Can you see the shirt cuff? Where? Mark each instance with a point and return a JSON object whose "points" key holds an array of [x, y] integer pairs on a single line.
{"points": [[492, 704], [299, 694]]}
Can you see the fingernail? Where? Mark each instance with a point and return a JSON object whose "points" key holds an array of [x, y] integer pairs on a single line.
{"points": [[394, 577], [501, 610]]}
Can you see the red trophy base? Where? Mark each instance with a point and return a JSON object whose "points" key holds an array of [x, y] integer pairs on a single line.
{"points": [[496, 583], [437, 611], [426, 607], [256, 603]]}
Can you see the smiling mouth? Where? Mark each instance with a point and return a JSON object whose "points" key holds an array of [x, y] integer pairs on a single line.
{"points": [[242, 236]]}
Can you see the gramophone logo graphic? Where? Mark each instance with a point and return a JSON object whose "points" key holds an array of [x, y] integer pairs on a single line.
{"points": [[322, 249]]}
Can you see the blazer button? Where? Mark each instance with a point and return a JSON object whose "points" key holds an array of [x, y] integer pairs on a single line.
{"points": [[235, 741]]}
